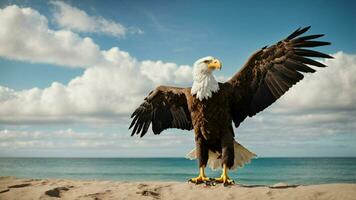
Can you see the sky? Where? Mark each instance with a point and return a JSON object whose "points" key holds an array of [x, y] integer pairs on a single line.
{"points": [[72, 72]]}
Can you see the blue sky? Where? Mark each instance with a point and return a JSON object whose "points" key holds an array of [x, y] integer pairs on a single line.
{"points": [[157, 33]]}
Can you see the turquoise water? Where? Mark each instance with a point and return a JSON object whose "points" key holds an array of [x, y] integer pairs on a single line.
{"points": [[260, 171]]}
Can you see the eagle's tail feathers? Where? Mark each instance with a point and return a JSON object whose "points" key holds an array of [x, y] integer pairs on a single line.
{"points": [[242, 157], [191, 155]]}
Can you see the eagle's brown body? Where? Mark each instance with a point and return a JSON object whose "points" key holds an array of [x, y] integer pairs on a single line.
{"points": [[212, 124], [265, 77]]}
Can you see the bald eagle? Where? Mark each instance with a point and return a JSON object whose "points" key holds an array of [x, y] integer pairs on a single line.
{"points": [[209, 107]]}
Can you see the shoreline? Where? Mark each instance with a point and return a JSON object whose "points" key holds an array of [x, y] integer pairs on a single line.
{"points": [[20, 188]]}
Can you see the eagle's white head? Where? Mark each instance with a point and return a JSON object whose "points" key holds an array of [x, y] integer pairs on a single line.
{"points": [[204, 84]]}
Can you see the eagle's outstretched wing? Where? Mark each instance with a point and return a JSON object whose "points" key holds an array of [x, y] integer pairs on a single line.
{"points": [[165, 107], [271, 71]]}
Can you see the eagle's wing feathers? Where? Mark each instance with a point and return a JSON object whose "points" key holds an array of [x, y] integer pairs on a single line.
{"points": [[271, 71], [165, 107]]}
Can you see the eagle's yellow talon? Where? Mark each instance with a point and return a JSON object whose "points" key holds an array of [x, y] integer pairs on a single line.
{"points": [[224, 178], [201, 178]]}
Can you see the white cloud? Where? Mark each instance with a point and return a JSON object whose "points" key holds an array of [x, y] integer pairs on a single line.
{"points": [[160, 72], [25, 36], [111, 86], [331, 88], [72, 18], [12, 141], [101, 93]]}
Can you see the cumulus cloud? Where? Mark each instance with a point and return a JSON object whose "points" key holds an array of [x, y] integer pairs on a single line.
{"points": [[101, 93], [25, 36], [70, 140], [111, 86], [160, 72], [72, 18], [98, 92], [329, 89]]}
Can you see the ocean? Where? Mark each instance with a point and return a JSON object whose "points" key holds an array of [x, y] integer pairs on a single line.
{"points": [[260, 171]]}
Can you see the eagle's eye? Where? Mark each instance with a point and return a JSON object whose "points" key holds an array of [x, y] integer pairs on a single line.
{"points": [[206, 61]]}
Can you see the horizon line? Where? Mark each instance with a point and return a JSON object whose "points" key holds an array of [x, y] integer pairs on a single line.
{"points": [[77, 157]]}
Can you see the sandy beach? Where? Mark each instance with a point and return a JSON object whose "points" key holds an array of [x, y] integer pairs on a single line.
{"points": [[14, 188]]}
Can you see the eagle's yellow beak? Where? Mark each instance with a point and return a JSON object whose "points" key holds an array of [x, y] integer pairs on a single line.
{"points": [[215, 64]]}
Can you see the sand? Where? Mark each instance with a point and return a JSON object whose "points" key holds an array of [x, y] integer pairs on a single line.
{"points": [[15, 188]]}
